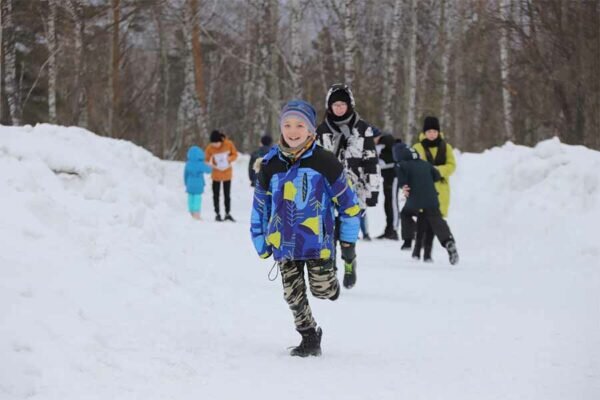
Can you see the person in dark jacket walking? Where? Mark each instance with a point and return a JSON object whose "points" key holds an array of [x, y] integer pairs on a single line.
{"points": [[419, 176], [350, 139], [386, 142], [265, 145]]}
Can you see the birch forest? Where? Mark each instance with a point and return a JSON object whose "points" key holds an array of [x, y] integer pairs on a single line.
{"points": [[164, 73]]}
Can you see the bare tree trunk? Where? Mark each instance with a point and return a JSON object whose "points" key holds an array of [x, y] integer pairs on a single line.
{"points": [[391, 70], [261, 76], [52, 68], [198, 69], [114, 87], [10, 59], [1, 59], [79, 110], [162, 98], [412, 79], [274, 92], [296, 64], [189, 115], [349, 41], [504, 71], [248, 87], [446, 39]]}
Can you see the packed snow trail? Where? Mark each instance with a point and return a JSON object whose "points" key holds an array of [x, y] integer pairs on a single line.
{"points": [[109, 290]]}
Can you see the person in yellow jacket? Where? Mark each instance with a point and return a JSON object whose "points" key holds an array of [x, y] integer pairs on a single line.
{"points": [[221, 153], [433, 147]]}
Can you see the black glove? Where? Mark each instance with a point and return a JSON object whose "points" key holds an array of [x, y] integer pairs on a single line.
{"points": [[372, 201]]}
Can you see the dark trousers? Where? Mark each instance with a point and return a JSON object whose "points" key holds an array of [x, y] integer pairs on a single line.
{"points": [[430, 223], [348, 253], [216, 186], [408, 224], [390, 203]]}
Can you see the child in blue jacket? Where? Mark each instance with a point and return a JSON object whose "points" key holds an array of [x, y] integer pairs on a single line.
{"points": [[193, 176], [298, 189]]}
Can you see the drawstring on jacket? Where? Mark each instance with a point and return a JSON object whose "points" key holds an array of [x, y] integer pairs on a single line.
{"points": [[271, 272]]}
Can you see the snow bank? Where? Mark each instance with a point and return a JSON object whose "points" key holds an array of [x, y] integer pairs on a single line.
{"points": [[108, 290], [531, 203]]}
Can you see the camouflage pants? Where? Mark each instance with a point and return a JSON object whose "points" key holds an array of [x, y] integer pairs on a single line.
{"points": [[323, 284]]}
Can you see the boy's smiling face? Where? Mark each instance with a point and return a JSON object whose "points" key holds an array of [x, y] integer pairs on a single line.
{"points": [[294, 131]]}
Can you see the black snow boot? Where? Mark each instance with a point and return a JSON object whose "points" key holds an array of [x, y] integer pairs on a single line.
{"points": [[228, 217], [349, 274], [389, 234], [450, 246], [310, 344], [406, 245], [218, 218]]}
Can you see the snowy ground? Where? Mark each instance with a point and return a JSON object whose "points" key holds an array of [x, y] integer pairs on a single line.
{"points": [[109, 290]]}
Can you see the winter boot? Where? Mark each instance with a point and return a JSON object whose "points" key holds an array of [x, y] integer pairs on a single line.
{"points": [[310, 344], [228, 217], [406, 245], [452, 252], [366, 238], [349, 274], [389, 234], [218, 218], [427, 253]]}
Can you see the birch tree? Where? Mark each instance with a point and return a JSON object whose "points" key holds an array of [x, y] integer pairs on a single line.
{"points": [[1, 59], [189, 114], [391, 71], [504, 70], [78, 110], [52, 67], [349, 41], [196, 51], [261, 75], [115, 62], [274, 91], [445, 40], [296, 63], [412, 77], [10, 60]]}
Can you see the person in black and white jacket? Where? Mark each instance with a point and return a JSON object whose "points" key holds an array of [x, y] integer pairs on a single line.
{"points": [[350, 138], [385, 142]]}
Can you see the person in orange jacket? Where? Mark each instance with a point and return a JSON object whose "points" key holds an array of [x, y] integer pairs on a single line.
{"points": [[221, 153]]}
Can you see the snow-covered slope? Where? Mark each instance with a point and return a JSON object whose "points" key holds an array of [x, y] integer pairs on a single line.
{"points": [[109, 290]]}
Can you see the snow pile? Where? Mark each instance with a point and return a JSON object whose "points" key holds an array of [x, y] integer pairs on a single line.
{"points": [[547, 196], [109, 290]]}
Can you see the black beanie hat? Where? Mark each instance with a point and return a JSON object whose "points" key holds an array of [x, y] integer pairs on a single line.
{"points": [[431, 123], [216, 136], [339, 95], [340, 92], [266, 140]]}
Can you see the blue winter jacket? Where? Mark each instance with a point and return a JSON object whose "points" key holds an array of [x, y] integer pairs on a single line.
{"points": [[293, 213], [195, 168]]}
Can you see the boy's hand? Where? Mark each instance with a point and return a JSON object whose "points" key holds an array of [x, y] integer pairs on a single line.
{"points": [[406, 191]]}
